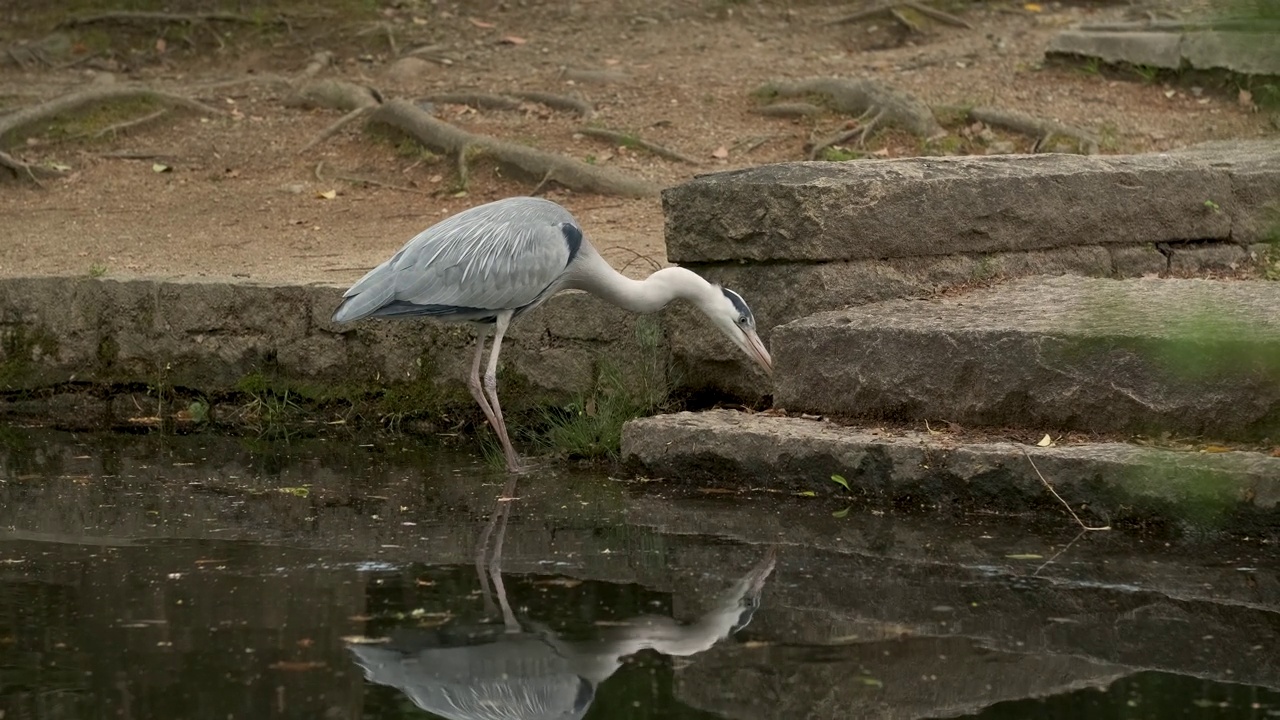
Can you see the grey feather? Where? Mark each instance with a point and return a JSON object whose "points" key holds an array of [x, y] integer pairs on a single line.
{"points": [[505, 255]]}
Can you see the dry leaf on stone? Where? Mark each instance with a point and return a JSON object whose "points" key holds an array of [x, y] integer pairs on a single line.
{"points": [[327, 194], [721, 152], [480, 23]]}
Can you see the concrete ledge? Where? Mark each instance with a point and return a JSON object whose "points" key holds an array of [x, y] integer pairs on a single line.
{"points": [[1114, 481], [1195, 357], [819, 212]]}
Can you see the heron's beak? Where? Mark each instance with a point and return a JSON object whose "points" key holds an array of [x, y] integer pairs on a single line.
{"points": [[755, 348]]}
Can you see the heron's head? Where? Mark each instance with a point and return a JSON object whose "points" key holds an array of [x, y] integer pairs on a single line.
{"points": [[730, 313]]}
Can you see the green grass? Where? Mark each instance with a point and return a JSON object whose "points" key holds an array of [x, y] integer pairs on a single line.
{"points": [[590, 426]]}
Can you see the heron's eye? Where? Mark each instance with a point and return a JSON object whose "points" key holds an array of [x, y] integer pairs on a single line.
{"points": [[742, 320]]}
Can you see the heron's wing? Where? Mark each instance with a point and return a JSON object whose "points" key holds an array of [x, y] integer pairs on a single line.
{"points": [[502, 255]]}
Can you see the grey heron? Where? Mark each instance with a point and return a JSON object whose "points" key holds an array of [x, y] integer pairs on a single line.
{"points": [[494, 262], [508, 672]]}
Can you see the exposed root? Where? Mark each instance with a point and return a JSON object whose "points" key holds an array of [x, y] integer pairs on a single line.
{"points": [[20, 169], [843, 136], [47, 51], [896, 11], [482, 101], [26, 117], [125, 125], [558, 102], [448, 139], [629, 140], [128, 17], [336, 94], [434, 53], [336, 126], [790, 109], [868, 99], [593, 76], [318, 62], [1043, 130]]}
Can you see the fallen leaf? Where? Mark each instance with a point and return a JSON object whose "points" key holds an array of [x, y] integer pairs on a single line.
{"points": [[611, 61], [160, 168], [870, 681], [840, 513], [1033, 7], [327, 194], [1170, 93], [419, 21], [720, 152], [160, 45], [1215, 449], [60, 167], [839, 480], [807, 493], [1024, 556], [481, 23], [512, 40], [1045, 441]]}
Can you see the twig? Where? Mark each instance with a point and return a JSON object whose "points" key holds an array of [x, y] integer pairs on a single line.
{"points": [[635, 256], [316, 172], [629, 140], [836, 139], [1056, 555], [336, 126], [1055, 494]]}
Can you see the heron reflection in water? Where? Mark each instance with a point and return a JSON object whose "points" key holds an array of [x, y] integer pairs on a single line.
{"points": [[527, 672]]}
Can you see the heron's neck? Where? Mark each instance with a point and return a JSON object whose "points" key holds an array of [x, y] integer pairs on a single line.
{"points": [[643, 296]]}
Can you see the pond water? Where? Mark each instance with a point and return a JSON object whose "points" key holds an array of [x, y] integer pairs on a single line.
{"points": [[206, 577]]}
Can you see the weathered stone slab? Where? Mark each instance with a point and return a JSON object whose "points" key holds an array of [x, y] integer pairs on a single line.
{"points": [[1114, 480], [1187, 356], [211, 336], [819, 212], [1248, 49], [782, 292], [1156, 49]]}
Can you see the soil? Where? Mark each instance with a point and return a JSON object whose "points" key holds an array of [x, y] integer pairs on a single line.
{"points": [[232, 196]]}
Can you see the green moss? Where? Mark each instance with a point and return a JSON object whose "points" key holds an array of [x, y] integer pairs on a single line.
{"points": [[108, 352], [840, 154]]}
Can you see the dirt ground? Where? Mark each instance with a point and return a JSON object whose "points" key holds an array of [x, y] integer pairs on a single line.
{"points": [[237, 198]]}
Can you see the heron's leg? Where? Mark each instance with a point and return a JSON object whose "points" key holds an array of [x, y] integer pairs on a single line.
{"points": [[495, 560], [473, 380], [491, 388]]}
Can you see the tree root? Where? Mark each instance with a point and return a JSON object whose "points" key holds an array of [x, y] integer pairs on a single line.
{"points": [[337, 125], [22, 170], [790, 109], [895, 10], [872, 101], [629, 140], [129, 17], [26, 117], [481, 101], [125, 125], [1043, 130], [336, 94], [550, 167], [558, 102]]}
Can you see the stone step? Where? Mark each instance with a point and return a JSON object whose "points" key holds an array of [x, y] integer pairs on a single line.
{"points": [[1191, 357], [1246, 46], [1105, 482], [929, 206]]}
